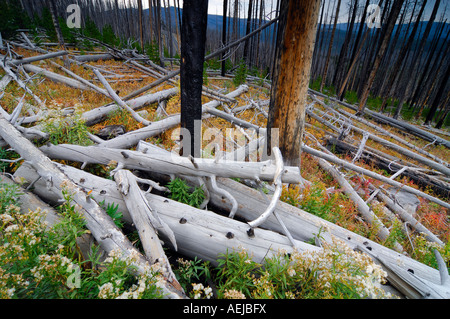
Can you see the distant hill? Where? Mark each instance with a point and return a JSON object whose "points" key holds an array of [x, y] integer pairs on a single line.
{"points": [[215, 22]]}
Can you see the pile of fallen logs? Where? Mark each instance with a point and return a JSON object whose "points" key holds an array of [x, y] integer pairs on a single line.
{"points": [[264, 224]]}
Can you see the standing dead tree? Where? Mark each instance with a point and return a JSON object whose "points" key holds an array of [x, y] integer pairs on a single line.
{"points": [[295, 45]]}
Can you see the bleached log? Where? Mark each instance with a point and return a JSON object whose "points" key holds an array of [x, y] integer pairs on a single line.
{"points": [[406, 127], [94, 57], [97, 221], [147, 222], [132, 138], [118, 100], [368, 215], [304, 226], [439, 187], [20, 83], [82, 80], [4, 82], [164, 163], [199, 233], [98, 114], [30, 202], [384, 132], [369, 173], [56, 77], [38, 58], [439, 167], [407, 217]]}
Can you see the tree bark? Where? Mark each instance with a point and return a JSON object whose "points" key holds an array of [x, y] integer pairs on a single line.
{"points": [[439, 96], [330, 47], [295, 45], [385, 37], [193, 38]]}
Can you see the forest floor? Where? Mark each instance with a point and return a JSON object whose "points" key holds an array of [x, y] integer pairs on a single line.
{"points": [[323, 197]]}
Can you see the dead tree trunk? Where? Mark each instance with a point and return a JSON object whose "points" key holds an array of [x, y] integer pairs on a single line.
{"points": [[330, 46], [295, 45], [193, 38], [385, 37]]}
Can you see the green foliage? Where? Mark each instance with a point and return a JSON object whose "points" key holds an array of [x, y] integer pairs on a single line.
{"points": [[12, 18], [181, 192], [112, 210], [46, 22], [67, 130], [90, 29], [8, 195], [374, 103], [41, 262], [109, 37], [351, 97], [191, 271], [66, 32], [152, 51], [7, 155], [315, 85], [240, 75], [336, 271]]}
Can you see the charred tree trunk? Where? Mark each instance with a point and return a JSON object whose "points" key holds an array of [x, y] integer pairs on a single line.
{"points": [[247, 31], [224, 35], [141, 27], [193, 38], [385, 37], [395, 71], [52, 7], [330, 47], [295, 45], [439, 95], [416, 59], [343, 53]]}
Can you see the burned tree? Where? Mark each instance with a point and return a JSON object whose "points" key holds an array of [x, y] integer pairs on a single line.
{"points": [[295, 45], [385, 38], [193, 38]]}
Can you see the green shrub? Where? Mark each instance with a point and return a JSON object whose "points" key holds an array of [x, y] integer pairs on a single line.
{"points": [[41, 262], [181, 192], [240, 76]]}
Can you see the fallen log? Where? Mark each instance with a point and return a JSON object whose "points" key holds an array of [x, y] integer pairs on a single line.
{"points": [[172, 163], [367, 213], [118, 100], [19, 82], [304, 227], [406, 127], [132, 138], [100, 113], [369, 173], [439, 167], [147, 222], [439, 187], [407, 217], [38, 58], [56, 77], [97, 221], [30, 202], [94, 57], [381, 130], [199, 233]]}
